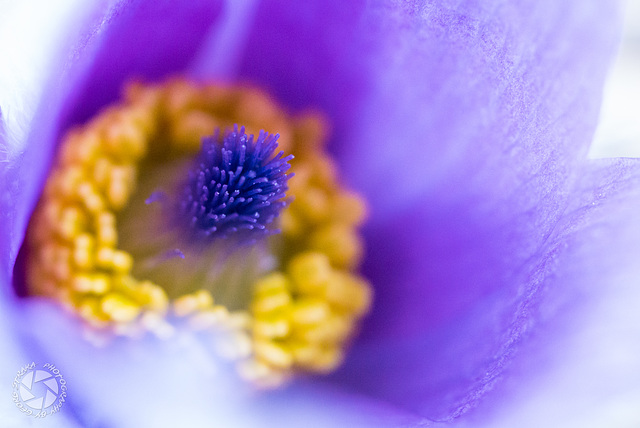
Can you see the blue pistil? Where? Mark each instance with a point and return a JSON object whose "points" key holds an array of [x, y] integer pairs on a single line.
{"points": [[237, 187]]}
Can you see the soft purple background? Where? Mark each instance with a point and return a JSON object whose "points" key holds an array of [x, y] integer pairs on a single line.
{"points": [[465, 123]]}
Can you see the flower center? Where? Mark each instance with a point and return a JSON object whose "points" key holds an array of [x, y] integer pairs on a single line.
{"points": [[206, 231], [236, 189], [143, 226]]}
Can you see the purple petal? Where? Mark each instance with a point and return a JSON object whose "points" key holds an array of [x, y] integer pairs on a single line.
{"points": [[492, 110], [180, 382], [43, 61], [313, 54], [146, 39], [42, 40], [578, 361], [94, 50], [464, 124], [488, 109], [12, 359]]}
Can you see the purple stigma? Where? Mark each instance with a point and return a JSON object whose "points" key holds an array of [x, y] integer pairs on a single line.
{"points": [[237, 187]]}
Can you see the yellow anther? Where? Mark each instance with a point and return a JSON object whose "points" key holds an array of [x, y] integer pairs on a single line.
{"points": [[310, 271], [118, 261], [60, 266], [101, 171], [84, 241], [104, 257], [203, 299], [146, 102], [180, 96], [83, 251], [83, 257], [261, 374], [324, 172], [322, 311], [187, 133], [96, 283], [90, 197], [271, 302], [120, 186], [334, 329], [106, 229], [312, 204], [272, 293], [87, 147], [122, 261], [304, 353], [48, 254], [258, 107], [128, 284], [108, 236], [80, 147], [185, 305], [348, 208], [349, 293], [66, 182], [190, 303], [253, 370], [119, 308], [273, 354], [309, 311], [89, 309], [143, 117], [317, 358], [312, 129], [274, 282], [71, 222], [100, 283], [239, 320], [124, 139], [106, 218], [300, 318], [326, 360], [83, 283], [271, 328], [340, 243], [291, 224], [155, 297], [208, 318], [51, 212]]}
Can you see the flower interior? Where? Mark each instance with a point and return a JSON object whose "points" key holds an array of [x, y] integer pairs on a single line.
{"points": [[172, 209]]}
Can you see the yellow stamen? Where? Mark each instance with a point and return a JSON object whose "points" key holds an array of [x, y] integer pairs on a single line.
{"points": [[313, 323], [301, 314], [119, 308], [192, 303]]}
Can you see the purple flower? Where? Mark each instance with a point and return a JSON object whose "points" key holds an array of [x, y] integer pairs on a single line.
{"points": [[503, 259]]}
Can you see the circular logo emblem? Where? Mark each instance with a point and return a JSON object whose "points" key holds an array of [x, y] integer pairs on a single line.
{"points": [[39, 390]]}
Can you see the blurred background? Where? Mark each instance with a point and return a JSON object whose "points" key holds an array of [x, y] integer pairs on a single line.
{"points": [[618, 132]]}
